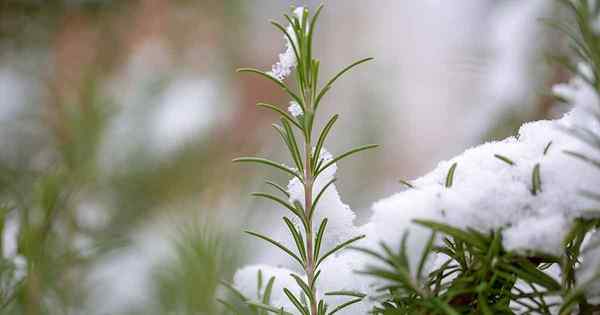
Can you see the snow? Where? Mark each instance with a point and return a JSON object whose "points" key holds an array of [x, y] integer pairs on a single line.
{"points": [[287, 60], [589, 272], [295, 109]]}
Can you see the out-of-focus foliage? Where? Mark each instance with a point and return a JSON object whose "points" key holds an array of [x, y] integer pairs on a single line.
{"points": [[189, 283], [64, 212]]}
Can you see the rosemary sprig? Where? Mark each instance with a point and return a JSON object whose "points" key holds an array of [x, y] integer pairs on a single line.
{"points": [[306, 155]]}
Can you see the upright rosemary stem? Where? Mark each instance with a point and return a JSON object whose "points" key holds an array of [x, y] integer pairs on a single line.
{"points": [[302, 109], [308, 188]]}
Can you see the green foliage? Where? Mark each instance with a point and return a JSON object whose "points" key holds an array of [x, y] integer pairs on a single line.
{"points": [[308, 163], [477, 276], [57, 250], [42, 202], [188, 284]]}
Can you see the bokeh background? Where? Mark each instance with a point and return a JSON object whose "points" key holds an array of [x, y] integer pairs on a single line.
{"points": [[119, 120]]}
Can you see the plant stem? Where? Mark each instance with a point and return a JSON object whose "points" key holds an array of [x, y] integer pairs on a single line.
{"points": [[308, 187]]}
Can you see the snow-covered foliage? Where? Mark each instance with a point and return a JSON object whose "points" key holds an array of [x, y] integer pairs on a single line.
{"points": [[490, 193], [527, 185]]}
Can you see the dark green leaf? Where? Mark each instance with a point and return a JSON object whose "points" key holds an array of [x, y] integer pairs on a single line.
{"points": [[268, 163], [339, 247], [278, 245], [346, 154]]}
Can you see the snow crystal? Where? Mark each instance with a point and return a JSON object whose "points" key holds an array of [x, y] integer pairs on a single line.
{"points": [[287, 60], [295, 109]]}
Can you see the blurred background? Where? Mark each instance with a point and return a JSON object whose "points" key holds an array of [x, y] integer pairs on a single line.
{"points": [[119, 120]]}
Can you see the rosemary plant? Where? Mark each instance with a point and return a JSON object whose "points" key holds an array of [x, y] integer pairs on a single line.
{"points": [[306, 155]]}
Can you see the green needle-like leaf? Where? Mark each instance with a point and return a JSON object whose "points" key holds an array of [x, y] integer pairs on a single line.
{"points": [[343, 306], [339, 247], [591, 161], [452, 231], [547, 148], [297, 238], [322, 310], [311, 31], [406, 183], [293, 145], [268, 163], [296, 302], [346, 154], [336, 77], [321, 140], [278, 187], [450, 175], [319, 238], [346, 293], [504, 159], [425, 255], [269, 308], [305, 288], [235, 291], [281, 112], [536, 181], [228, 306], [282, 202], [287, 141], [319, 195], [278, 245], [275, 80], [268, 290]]}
